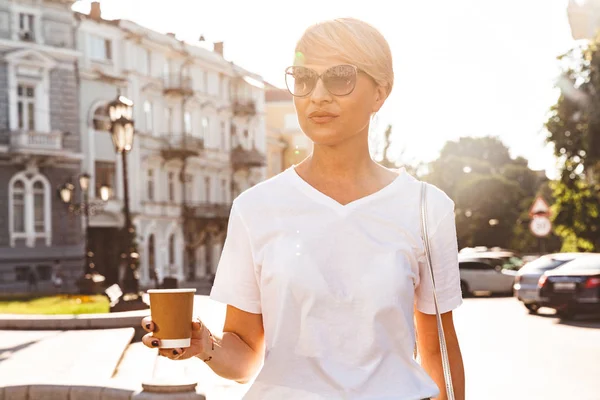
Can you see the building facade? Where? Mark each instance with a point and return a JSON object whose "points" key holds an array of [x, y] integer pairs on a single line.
{"points": [[584, 18], [287, 145], [199, 142], [40, 146]]}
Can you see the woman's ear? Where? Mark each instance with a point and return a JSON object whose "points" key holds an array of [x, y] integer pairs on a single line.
{"points": [[380, 97]]}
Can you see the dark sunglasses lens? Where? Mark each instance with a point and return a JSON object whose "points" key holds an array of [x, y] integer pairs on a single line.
{"points": [[300, 81], [340, 80]]}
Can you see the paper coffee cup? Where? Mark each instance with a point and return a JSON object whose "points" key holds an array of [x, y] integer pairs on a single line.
{"points": [[172, 311]]}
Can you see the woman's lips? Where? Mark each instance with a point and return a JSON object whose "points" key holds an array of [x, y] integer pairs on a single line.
{"points": [[322, 119]]}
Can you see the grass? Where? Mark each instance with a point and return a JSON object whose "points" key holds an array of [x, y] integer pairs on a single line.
{"points": [[60, 304]]}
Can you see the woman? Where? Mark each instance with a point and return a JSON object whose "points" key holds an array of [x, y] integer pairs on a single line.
{"points": [[323, 264]]}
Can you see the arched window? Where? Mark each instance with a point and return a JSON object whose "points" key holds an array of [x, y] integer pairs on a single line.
{"points": [[18, 206], [151, 258], [171, 250], [39, 219], [29, 209], [148, 117], [101, 119]]}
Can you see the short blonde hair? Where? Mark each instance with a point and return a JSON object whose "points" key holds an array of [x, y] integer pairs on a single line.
{"points": [[353, 41]]}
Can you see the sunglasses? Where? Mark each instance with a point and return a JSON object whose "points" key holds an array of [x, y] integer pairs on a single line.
{"points": [[339, 80]]}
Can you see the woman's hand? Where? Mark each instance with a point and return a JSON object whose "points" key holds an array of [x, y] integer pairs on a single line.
{"points": [[201, 343]]}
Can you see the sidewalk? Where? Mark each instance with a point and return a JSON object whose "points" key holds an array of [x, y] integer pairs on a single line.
{"points": [[106, 357], [139, 363]]}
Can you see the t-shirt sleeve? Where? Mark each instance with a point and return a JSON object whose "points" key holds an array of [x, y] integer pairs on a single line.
{"points": [[444, 256], [236, 281]]}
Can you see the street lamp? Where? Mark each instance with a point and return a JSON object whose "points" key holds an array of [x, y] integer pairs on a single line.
{"points": [[65, 193], [120, 112]]}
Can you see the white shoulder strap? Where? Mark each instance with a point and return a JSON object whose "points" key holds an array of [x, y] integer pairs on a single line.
{"points": [[444, 350]]}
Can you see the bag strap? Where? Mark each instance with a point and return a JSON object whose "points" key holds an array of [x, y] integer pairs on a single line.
{"points": [[443, 349]]}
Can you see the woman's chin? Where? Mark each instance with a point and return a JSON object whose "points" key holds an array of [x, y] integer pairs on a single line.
{"points": [[326, 136]]}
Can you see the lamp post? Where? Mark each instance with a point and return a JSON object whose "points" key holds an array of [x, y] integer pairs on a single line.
{"points": [[65, 193], [120, 112]]}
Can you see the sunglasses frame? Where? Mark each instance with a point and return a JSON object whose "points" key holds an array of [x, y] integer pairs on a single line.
{"points": [[320, 76]]}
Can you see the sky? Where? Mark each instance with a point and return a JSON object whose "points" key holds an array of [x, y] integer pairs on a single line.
{"points": [[462, 67]]}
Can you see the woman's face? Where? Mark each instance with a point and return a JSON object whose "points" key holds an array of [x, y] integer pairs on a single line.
{"points": [[327, 115]]}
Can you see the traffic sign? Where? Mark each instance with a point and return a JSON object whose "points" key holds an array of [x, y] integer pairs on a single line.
{"points": [[539, 207], [540, 226]]}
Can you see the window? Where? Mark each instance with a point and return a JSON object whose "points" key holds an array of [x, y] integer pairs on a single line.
{"points": [[171, 250], [22, 273], [166, 70], [291, 122], [207, 189], [205, 129], [105, 176], [150, 185], [169, 120], [189, 186], [101, 119], [171, 186], [100, 48], [38, 207], [148, 116], [26, 107], [187, 120], [151, 257], [44, 272], [223, 135], [224, 191], [475, 266], [29, 209], [26, 27], [145, 63], [205, 81], [19, 207], [149, 62]]}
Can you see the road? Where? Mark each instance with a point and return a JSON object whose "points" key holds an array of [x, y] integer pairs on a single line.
{"points": [[509, 354]]}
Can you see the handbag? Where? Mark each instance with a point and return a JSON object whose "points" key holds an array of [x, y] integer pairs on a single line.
{"points": [[443, 348]]}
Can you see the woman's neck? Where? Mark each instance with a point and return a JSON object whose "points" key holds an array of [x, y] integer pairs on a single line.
{"points": [[345, 162]]}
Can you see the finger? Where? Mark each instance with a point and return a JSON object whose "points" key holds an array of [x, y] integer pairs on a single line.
{"points": [[150, 341], [147, 324], [196, 326], [177, 353], [173, 354]]}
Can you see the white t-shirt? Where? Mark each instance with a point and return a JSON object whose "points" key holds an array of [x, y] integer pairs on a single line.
{"points": [[336, 285]]}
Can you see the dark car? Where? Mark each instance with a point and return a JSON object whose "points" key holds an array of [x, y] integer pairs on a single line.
{"points": [[526, 282], [573, 288]]}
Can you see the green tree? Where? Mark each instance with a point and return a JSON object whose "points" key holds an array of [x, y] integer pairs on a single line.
{"points": [[574, 129], [492, 192]]}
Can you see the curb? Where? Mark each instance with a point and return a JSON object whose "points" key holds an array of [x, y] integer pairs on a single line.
{"points": [[60, 392], [125, 319]]}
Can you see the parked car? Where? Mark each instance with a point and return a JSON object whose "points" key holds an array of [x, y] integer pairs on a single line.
{"points": [[483, 274], [526, 282], [573, 288]]}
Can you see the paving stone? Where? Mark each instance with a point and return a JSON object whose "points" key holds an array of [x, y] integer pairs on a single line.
{"points": [[16, 392], [116, 394], [86, 393], [49, 392], [169, 396]]}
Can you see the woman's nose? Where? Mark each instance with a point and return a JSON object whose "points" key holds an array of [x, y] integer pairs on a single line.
{"points": [[320, 92]]}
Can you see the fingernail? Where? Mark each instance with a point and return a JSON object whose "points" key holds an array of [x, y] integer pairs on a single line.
{"points": [[175, 353], [147, 326], [155, 343]]}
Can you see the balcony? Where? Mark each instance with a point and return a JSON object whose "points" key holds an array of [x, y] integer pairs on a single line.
{"points": [[245, 108], [176, 84], [242, 158], [208, 211], [181, 145], [35, 142]]}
